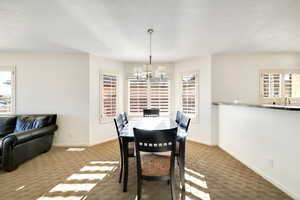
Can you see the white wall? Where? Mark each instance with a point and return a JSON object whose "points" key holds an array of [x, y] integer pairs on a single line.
{"points": [[101, 132], [256, 136], [54, 83], [236, 76], [199, 130]]}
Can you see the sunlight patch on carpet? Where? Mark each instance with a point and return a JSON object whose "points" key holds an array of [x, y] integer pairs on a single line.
{"points": [[20, 188], [197, 192], [194, 172], [104, 162], [73, 187], [97, 168], [61, 198], [86, 177], [75, 149], [196, 181]]}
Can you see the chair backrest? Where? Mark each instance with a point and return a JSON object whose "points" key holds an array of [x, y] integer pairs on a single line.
{"points": [[184, 122], [119, 123], [124, 117], [178, 117], [156, 140], [151, 112]]}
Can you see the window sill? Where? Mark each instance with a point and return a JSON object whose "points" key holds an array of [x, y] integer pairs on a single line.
{"points": [[10, 113]]}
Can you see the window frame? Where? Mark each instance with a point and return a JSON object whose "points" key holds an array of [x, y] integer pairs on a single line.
{"points": [[135, 114], [282, 72], [102, 118], [197, 94], [11, 69]]}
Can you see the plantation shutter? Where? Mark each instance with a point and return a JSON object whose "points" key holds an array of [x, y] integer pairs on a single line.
{"points": [[109, 96], [288, 85], [148, 94], [271, 84], [189, 94], [138, 97], [295, 85], [292, 85], [159, 95]]}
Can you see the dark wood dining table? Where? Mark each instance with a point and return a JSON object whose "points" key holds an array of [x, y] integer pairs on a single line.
{"points": [[152, 123]]}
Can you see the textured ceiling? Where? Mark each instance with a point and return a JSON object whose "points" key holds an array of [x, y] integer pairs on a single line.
{"points": [[183, 28]]}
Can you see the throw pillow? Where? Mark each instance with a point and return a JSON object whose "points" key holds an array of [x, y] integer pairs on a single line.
{"points": [[7, 125]]}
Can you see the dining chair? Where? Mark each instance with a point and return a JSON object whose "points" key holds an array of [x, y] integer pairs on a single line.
{"points": [[151, 166], [183, 125], [124, 117], [151, 112], [178, 116], [184, 122], [119, 126]]}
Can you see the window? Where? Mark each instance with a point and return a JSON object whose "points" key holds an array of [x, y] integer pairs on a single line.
{"points": [[7, 90], [276, 84], [159, 95], [189, 94], [271, 84], [109, 97], [148, 94], [138, 95], [292, 85]]}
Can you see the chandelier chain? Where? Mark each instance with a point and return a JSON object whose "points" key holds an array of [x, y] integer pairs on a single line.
{"points": [[150, 31]]}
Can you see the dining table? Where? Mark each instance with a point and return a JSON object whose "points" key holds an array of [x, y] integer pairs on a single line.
{"points": [[153, 123]]}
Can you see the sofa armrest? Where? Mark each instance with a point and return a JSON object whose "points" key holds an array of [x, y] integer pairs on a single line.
{"points": [[10, 158], [24, 136], [7, 146]]}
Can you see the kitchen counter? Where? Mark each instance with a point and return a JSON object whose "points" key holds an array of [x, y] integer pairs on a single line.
{"points": [[267, 106], [264, 137]]}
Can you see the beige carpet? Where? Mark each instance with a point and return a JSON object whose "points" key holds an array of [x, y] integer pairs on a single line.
{"points": [[93, 174]]}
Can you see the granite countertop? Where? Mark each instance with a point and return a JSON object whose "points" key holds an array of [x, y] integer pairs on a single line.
{"points": [[267, 106]]}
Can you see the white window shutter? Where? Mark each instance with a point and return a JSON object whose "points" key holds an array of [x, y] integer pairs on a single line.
{"points": [[148, 94], [292, 85], [137, 97], [271, 85], [109, 96], [189, 92], [160, 95]]}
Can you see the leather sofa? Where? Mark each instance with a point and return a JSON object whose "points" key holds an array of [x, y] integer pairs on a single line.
{"points": [[23, 137]]}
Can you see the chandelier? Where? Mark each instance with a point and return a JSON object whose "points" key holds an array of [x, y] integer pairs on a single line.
{"points": [[147, 71]]}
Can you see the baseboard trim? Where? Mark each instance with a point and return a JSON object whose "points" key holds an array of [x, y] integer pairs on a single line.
{"points": [[81, 144], [268, 178], [103, 142], [202, 143], [70, 144]]}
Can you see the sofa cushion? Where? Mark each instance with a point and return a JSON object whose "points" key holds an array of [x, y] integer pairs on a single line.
{"points": [[7, 125], [30, 122]]}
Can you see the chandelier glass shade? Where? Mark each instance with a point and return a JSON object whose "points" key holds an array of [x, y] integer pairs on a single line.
{"points": [[148, 71]]}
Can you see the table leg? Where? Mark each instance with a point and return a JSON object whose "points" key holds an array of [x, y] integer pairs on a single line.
{"points": [[182, 163], [125, 157]]}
